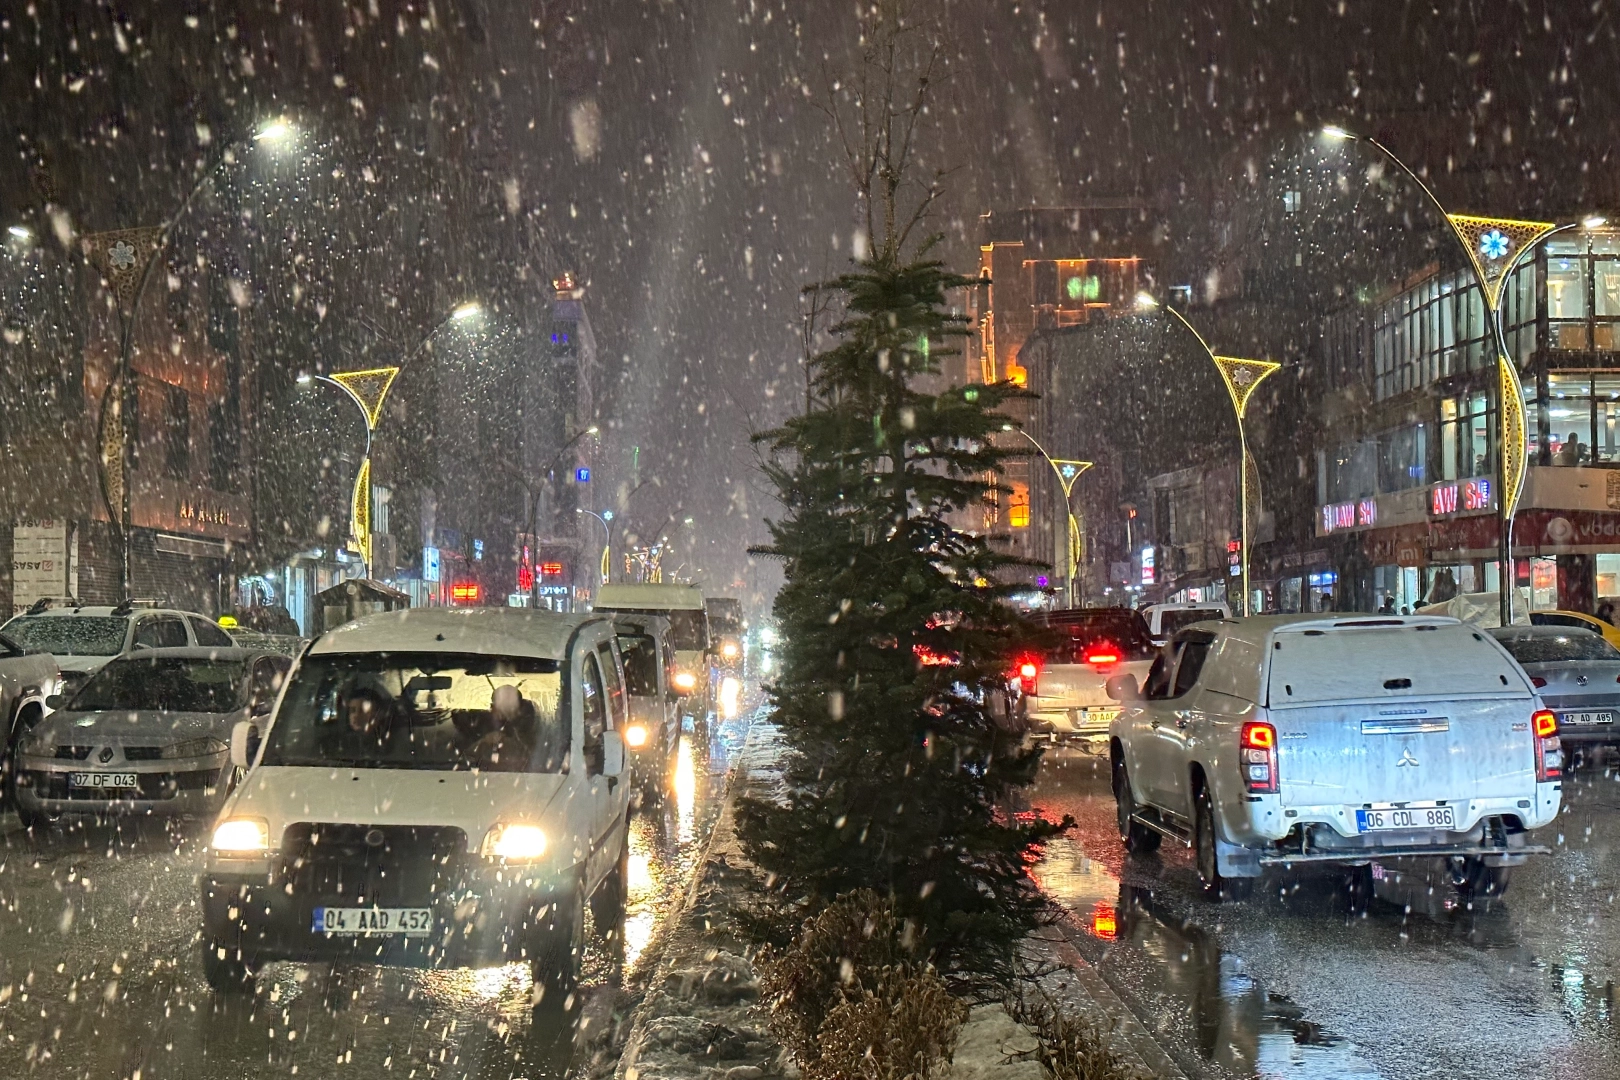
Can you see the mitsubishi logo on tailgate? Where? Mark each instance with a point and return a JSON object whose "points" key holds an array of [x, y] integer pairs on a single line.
{"points": [[1406, 758]]}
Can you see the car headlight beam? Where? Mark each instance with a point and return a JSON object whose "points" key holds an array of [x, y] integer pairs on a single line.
{"points": [[241, 836], [515, 842], [635, 736]]}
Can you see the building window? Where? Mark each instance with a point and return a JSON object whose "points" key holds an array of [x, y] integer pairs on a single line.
{"points": [[177, 433], [1018, 507], [222, 448], [1465, 437]]}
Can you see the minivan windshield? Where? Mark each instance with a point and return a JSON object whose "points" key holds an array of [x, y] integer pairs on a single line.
{"points": [[1172, 621], [446, 711], [1121, 630], [688, 629], [69, 635]]}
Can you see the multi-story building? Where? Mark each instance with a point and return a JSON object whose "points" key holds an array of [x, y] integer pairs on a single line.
{"points": [[1049, 269]]}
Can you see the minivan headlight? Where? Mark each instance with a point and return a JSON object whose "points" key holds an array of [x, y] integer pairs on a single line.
{"points": [[514, 842], [241, 836], [685, 681], [635, 736]]}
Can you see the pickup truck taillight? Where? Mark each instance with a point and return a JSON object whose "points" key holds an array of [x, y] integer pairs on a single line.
{"points": [[1549, 751], [1259, 758], [1028, 672]]}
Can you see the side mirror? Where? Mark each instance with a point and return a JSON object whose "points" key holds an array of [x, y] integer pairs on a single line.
{"points": [[261, 706], [55, 701], [612, 754], [244, 743], [1123, 688]]}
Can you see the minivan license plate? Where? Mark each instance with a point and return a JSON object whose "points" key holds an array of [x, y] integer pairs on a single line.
{"points": [[409, 921], [1420, 817], [102, 780]]}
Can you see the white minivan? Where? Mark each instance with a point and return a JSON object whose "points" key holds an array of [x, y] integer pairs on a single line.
{"points": [[1291, 740], [435, 788]]}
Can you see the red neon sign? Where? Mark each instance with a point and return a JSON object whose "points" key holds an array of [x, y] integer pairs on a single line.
{"points": [[551, 569]]}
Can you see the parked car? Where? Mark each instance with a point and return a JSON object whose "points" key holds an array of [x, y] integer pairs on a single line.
{"points": [[1065, 686], [1577, 674], [28, 679], [1163, 620], [1577, 620], [1288, 740], [436, 788], [654, 732], [147, 734], [82, 638]]}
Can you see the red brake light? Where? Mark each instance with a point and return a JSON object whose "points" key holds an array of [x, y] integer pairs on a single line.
{"points": [[1538, 682], [1546, 723], [1027, 670], [1102, 657], [1262, 736]]}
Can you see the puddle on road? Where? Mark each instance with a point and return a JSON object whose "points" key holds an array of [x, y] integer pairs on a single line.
{"points": [[1180, 973]]}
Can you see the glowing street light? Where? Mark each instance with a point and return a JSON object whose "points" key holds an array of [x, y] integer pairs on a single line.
{"points": [[1495, 246], [1241, 377], [274, 131], [1068, 471], [467, 311], [20, 232]]}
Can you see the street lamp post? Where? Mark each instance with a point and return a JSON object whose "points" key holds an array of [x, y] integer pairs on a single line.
{"points": [[605, 517], [368, 389], [125, 258], [1495, 247], [1068, 471], [1241, 378], [534, 492]]}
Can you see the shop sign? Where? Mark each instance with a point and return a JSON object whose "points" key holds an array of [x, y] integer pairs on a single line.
{"points": [[1461, 496], [430, 564], [1147, 566], [44, 562], [1337, 517], [1234, 558]]}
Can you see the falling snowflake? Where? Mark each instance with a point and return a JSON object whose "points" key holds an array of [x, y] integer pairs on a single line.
{"points": [[122, 255], [1493, 245]]}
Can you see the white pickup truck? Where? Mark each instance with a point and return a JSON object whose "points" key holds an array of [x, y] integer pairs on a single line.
{"points": [[1286, 740]]}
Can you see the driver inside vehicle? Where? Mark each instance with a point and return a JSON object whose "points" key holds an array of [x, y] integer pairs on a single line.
{"points": [[509, 747]]}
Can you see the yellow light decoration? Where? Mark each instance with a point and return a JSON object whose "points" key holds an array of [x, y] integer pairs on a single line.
{"points": [[1513, 456], [1494, 244], [1068, 472], [360, 512], [1242, 377], [369, 388]]}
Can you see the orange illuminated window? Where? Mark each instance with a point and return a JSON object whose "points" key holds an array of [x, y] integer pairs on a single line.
{"points": [[1018, 507]]}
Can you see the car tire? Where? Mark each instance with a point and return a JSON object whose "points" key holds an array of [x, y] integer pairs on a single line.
{"points": [[1476, 881], [1211, 884], [34, 821], [559, 952], [608, 902], [225, 969], [1137, 838]]}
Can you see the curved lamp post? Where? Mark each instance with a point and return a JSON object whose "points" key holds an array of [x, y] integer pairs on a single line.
{"points": [[604, 517], [1068, 471], [368, 389], [1241, 378], [125, 258], [1495, 247]]}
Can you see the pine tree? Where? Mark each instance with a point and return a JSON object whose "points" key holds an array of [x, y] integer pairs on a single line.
{"points": [[896, 633]]}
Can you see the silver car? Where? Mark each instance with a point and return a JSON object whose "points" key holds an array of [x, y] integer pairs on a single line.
{"points": [[147, 734], [1577, 674]]}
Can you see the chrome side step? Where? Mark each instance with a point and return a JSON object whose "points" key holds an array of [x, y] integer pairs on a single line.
{"points": [[1164, 825]]}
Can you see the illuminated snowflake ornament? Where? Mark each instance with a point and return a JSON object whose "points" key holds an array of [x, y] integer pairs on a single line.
{"points": [[1494, 245], [122, 255]]}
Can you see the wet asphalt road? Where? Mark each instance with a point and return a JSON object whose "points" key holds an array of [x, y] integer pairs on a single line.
{"points": [[1294, 983], [100, 976]]}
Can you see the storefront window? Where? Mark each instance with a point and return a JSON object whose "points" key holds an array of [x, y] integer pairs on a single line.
{"points": [[1448, 439], [1569, 415], [1608, 576], [1606, 402], [1402, 458], [1543, 584]]}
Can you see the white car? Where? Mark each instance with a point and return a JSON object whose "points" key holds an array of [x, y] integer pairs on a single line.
{"points": [[82, 638], [1286, 740], [1066, 695], [436, 788], [1163, 620]]}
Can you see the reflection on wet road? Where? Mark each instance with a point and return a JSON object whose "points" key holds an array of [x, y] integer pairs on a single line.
{"points": [[1299, 982], [100, 976]]}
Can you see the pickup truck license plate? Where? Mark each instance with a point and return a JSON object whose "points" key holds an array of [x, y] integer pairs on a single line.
{"points": [[102, 780], [409, 921], [1419, 817], [1586, 718]]}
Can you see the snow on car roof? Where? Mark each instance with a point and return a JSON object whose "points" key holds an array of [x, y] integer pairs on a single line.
{"points": [[491, 631], [1256, 628]]}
